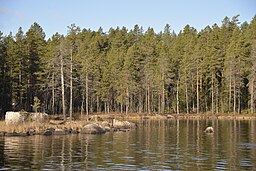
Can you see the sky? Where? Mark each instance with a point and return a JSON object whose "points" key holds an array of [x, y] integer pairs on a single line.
{"points": [[56, 15]]}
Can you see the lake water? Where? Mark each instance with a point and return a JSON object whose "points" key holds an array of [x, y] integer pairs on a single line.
{"points": [[154, 145]]}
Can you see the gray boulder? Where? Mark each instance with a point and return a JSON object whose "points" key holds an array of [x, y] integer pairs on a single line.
{"points": [[123, 124], [47, 132], [93, 128], [209, 130]]}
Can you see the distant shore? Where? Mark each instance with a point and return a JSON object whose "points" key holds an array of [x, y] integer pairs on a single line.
{"points": [[174, 116]]}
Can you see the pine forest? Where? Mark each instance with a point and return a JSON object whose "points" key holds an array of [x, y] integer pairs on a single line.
{"points": [[130, 71]]}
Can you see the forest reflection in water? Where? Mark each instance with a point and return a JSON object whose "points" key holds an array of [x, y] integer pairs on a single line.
{"points": [[154, 145]]}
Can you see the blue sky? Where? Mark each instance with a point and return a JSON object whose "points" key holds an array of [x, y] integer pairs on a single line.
{"points": [[55, 15]]}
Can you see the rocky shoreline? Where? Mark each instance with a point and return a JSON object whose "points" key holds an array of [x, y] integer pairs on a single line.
{"points": [[98, 124], [99, 127]]}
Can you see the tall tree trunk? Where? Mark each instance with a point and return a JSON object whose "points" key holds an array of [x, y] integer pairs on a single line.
{"points": [[230, 91], [62, 87], [121, 106], [197, 91], [91, 104], [53, 94], [71, 86], [177, 96], [217, 99], [239, 97], [145, 103], [127, 101], [193, 96], [131, 105], [148, 100], [212, 87], [186, 94], [86, 96], [159, 103], [82, 107], [98, 103], [163, 93], [140, 102], [20, 85], [234, 105], [252, 95], [108, 108], [105, 106]]}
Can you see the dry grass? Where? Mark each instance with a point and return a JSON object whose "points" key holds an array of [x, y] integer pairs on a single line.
{"points": [[39, 127]]}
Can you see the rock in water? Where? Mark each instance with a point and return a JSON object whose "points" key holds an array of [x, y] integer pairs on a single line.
{"points": [[93, 128], [209, 130], [47, 132], [123, 124]]}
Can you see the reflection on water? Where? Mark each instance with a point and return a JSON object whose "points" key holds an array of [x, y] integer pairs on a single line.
{"points": [[154, 145]]}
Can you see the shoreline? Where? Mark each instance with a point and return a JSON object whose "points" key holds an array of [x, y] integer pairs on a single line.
{"points": [[102, 120]]}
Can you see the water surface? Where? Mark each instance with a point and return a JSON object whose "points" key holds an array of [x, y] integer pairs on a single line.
{"points": [[154, 145]]}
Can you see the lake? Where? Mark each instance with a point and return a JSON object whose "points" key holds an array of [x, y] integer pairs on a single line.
{"points": [[153, 145]]}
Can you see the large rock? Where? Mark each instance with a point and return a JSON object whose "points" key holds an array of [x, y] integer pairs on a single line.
{"points": [[209, 130], [17, 117], [93, 128], [13, 117], [123, 124]]}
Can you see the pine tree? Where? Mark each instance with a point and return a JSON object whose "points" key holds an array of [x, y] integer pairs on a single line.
{"points": [[35, 50], [188, 64], [72, 48], [5, 93], [12, 63], [21, 60], [250, 35]]}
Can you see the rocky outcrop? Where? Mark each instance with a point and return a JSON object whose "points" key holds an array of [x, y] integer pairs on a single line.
{"points": [[102, 127], [93, 128], [14, 117], [19, 117]]}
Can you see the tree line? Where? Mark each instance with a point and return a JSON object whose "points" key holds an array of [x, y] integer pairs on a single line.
{"points": [[128, 71]]}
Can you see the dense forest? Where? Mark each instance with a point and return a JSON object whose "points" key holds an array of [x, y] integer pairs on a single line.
{"points": [[128, 71]]}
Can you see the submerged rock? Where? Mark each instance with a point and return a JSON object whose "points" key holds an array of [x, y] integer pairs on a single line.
{"points": [[93, 128], [73, 131], [59, 131], [47, 132], [16, 134], [31, 131], [209, 130], [2, 133]]}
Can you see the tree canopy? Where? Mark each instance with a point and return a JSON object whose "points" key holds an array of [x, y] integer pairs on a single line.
{"points": [[128, 71]]}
